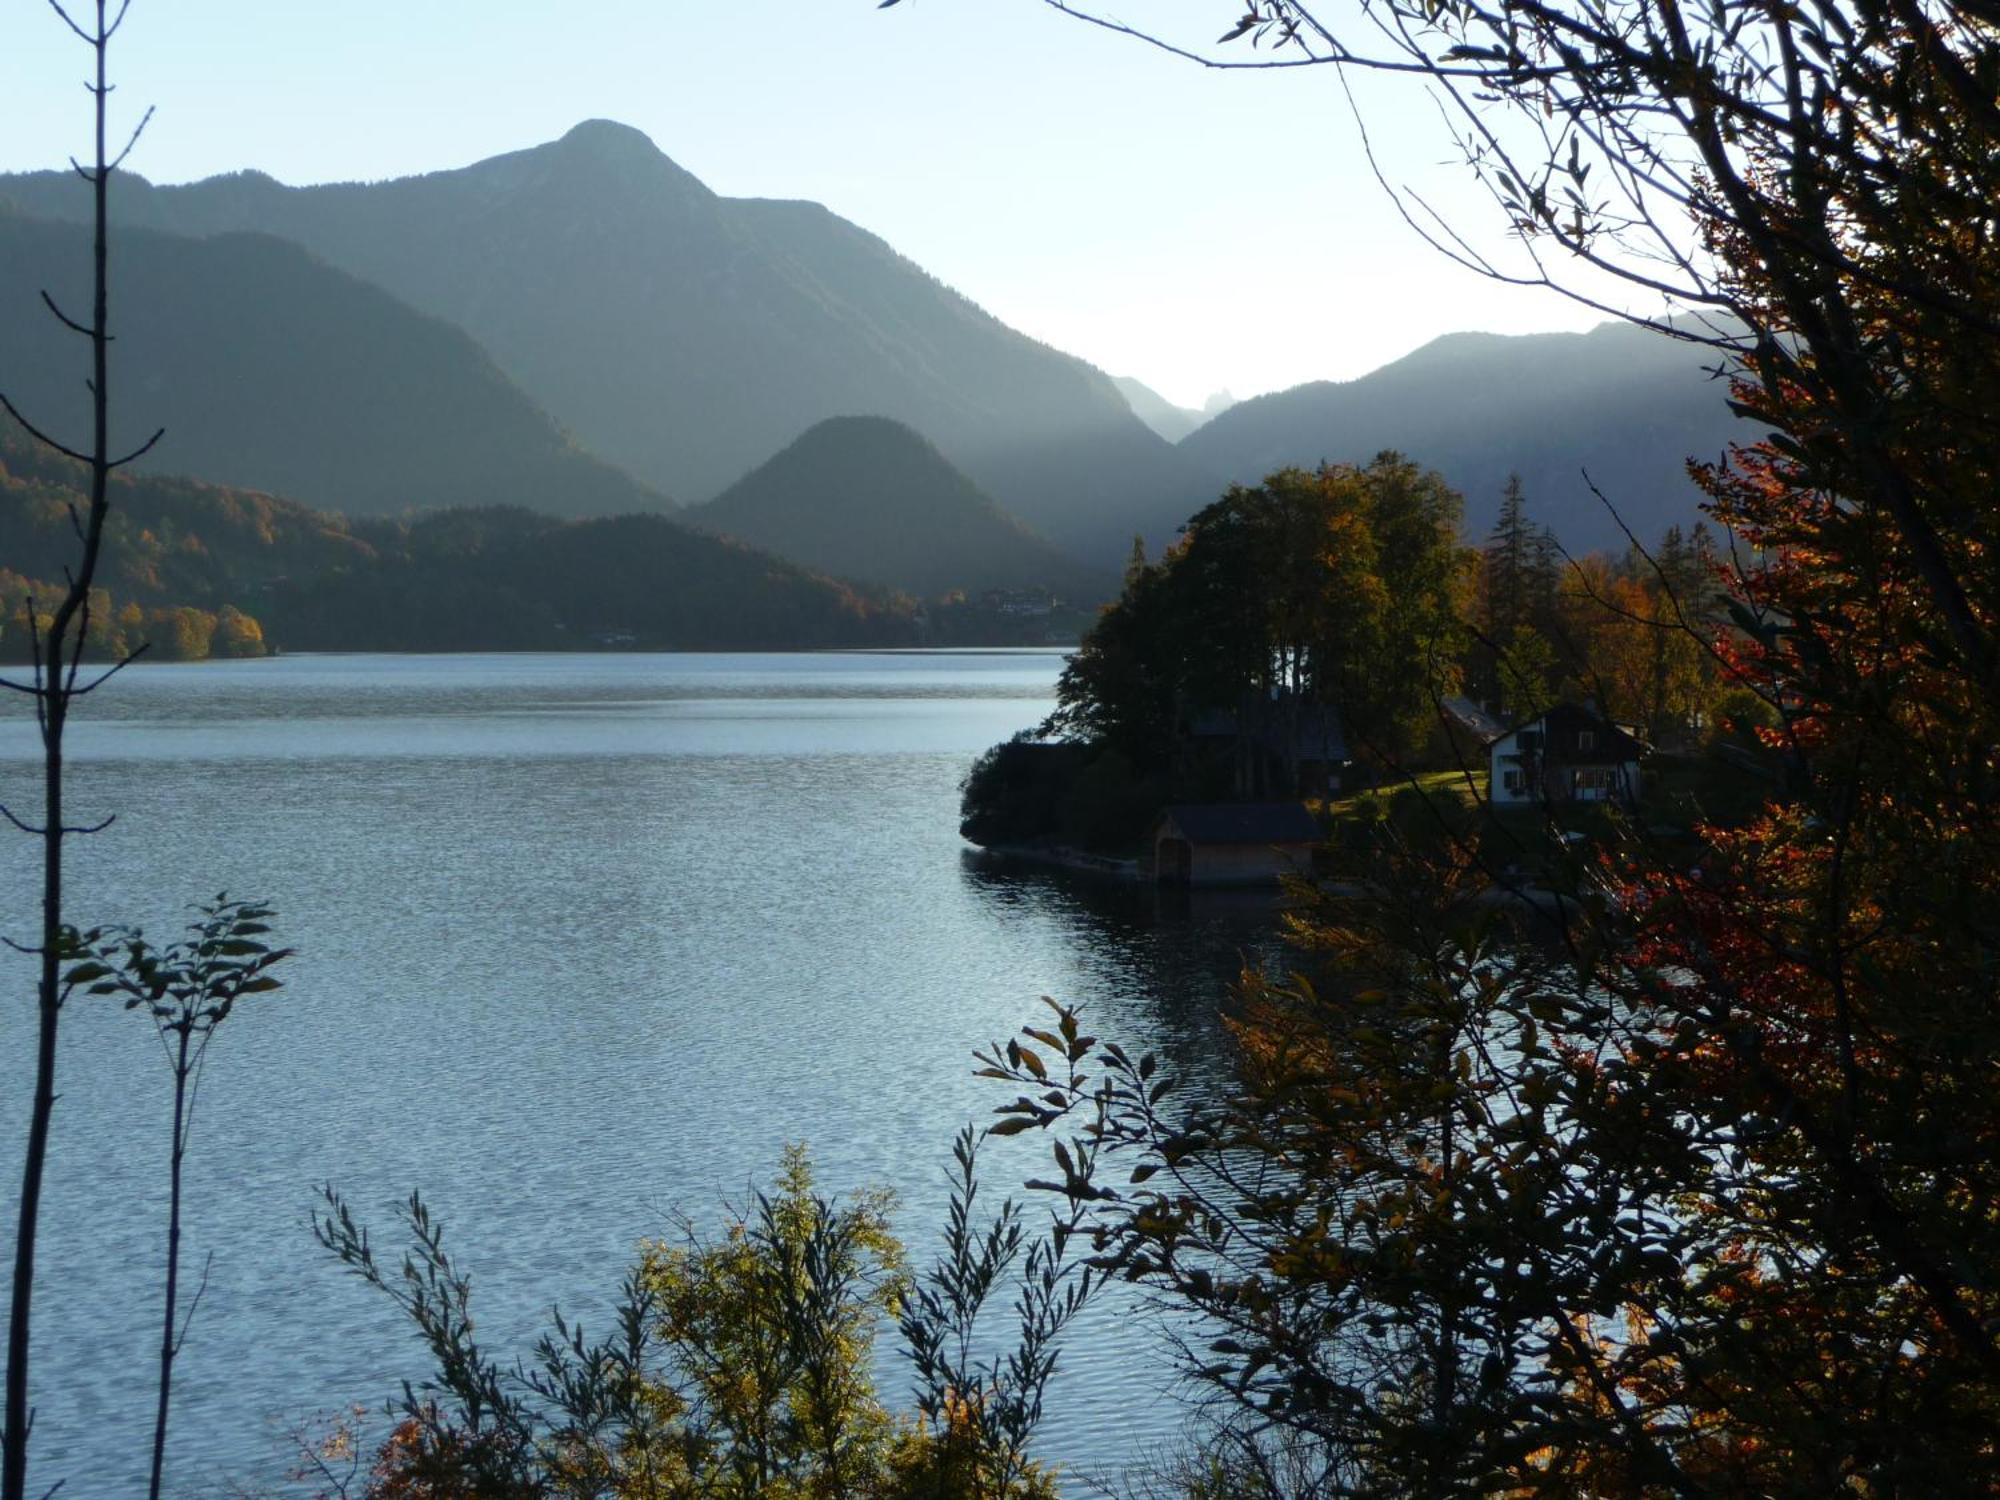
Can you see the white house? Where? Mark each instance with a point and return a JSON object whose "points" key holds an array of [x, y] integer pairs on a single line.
{"points": [[1567, 754]]}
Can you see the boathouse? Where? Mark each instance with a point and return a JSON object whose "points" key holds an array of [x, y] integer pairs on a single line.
{"points": [[1233, 843]]}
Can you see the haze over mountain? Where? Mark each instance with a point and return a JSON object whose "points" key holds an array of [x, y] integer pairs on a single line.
{"points": [[685, 337], [1170, 421], [869, 499], [1628, 405], [272, 371]]}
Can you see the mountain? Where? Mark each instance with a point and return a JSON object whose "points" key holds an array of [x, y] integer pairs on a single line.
{"points": [[1627, 405], [1170, 421], [270, 370], [685, 336], [493, 578], [869, 499]]}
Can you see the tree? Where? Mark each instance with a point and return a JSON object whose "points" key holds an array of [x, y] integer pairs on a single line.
{"points": [[1808, 186], [57, 655], [741, 1366], [1759, 1076], [1339, 586], [1518, 575], [1515, 608], [188, 989]]}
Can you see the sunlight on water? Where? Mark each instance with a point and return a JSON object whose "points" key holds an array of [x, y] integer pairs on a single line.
{"points": [[580, 938]]}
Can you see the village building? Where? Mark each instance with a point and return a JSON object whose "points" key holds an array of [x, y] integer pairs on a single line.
{"points": [[1233, 843], [1567, 754]]}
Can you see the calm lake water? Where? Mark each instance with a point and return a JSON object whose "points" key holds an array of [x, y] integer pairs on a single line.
{"points": [[581, 938]]}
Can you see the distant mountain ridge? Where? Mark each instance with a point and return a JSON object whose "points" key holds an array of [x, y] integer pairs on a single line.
{"points": [[272, 371], [686, 337], [1624, 404], [870, 499], [1170, 421]]}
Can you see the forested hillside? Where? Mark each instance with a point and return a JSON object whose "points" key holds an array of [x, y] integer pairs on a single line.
{"points": [[495, 578]]}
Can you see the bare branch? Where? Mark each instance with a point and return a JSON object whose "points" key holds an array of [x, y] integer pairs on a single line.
{"points": [[137, 130], [200, 1291], [110, 672], [67, 20], [38, 435], [139, 452], [64, 318], [27, 828]]}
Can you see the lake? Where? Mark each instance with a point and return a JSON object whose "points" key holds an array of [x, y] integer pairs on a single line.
{"points": [[581, 939]]}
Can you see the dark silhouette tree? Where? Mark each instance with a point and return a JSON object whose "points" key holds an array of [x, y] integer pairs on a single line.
{"points": [[1775, 175], [1714, 1213], [53, 687]]}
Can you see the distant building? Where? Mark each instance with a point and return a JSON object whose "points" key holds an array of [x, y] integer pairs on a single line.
{"points": [[1023, 603], [1567, 754], [1233, 843]]}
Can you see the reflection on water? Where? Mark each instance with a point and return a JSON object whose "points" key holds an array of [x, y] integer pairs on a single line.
{"points": [[579, 938]]}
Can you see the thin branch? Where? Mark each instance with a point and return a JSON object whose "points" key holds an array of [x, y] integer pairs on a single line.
{"points": [[137, 130], [38, 435], [109, 672], [1187, 55], [86, 37], [137, 453], [64, 318], [30, 828], [199, 1292]]}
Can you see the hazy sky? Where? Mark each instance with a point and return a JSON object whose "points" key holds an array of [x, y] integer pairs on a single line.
{"points": [[1200, 230]]}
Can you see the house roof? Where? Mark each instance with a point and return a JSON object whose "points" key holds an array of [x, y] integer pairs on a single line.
{"points": [[1242, 822], [1473, 719], [1615, 745]]}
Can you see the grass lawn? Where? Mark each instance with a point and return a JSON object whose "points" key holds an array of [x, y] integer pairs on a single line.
{"points": [[1680, 792], [1462, 789]]}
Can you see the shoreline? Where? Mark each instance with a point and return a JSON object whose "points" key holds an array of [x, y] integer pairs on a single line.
{"points": [[1064, 857]]}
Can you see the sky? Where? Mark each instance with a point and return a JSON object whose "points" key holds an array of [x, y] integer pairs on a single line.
{"points": [[1200, 230]]}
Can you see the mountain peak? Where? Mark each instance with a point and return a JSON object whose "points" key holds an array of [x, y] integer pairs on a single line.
{"points": [[609, 137], [604, 150], [869, 497]]}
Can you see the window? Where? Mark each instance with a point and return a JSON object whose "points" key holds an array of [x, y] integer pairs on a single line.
{"points": [[1529, 739], [1586, 741], [1516, 782]]}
